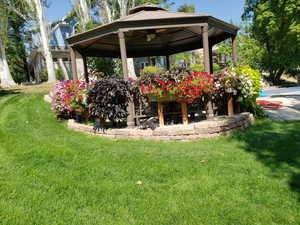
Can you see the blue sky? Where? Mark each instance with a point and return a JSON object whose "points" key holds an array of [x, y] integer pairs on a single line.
{"points": [[222, 9]]}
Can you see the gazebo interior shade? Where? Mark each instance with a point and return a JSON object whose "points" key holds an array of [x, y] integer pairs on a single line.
{"points": [[152, 31]]}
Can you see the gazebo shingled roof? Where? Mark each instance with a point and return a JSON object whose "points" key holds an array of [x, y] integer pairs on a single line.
{"points": [[174, 32]]}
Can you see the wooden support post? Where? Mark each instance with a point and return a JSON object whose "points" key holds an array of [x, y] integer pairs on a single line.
{"points": [[234, 49], [237, 107], [184, 112], [168, 62], [123, 54], [230, 106], [211, 63], [86, 74], [205, 40], [160, 110], [205, 43], [73, 64], [130, 108]]}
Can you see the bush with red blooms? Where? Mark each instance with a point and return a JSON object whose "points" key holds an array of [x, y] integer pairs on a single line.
{"points": [[182, 88], [194, 86], [69, 97]]}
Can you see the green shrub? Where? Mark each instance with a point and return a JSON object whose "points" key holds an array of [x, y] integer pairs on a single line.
{"points": [[254, 75], [59, 74], [151, 70], [200, 67], [216, 67], [254, 108], [197, 67], [43, 76], [104, 65]]}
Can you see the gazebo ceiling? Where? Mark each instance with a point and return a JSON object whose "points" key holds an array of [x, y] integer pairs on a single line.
{"points": [[152, 31]]}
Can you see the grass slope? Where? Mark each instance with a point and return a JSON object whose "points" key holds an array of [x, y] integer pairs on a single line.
{"points": [[52, 175]]}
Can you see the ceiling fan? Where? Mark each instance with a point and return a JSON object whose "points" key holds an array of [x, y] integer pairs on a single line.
{"points": [[152, 34]]}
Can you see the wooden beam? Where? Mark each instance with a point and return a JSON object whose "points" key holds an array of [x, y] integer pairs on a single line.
{"points": [[234, 49], [211, 63], [73, 64], [168, 62], [205, 41], [230, 106], [160, 110], [130, 108], [86, 74], [123, 54], [207, 66], [146, 25], [184, 112]]}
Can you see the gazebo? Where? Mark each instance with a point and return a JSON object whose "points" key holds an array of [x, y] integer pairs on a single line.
{"points": [[150, 30]]}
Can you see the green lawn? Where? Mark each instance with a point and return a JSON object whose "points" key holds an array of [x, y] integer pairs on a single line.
{"points": [[52, 175]]}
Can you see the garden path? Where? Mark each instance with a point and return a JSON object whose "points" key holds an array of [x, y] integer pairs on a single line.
{"points": [[289, 99]]}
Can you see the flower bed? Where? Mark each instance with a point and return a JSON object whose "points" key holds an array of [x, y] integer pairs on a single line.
{"points": [[109, 97]]}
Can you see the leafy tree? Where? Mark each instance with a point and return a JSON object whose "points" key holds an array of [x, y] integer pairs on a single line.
{"points": [[276, 26], [187, 8], [5, 74], [249, 49], [13, 14], [16, 53], [81, 11]]}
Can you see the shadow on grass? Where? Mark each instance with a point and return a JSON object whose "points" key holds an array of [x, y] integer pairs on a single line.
{"points": [[287, 84], [4, 92], [277, 145]]}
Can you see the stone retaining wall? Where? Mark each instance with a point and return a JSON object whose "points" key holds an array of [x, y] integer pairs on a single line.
{"points": [[220, 126]]}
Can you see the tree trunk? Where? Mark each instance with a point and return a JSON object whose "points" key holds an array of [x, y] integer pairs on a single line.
{"points": [[5, 75], [123, 5], [278, 76], [105, 12], [64, 69], [45, 42], [272, 76], [85, 11]]}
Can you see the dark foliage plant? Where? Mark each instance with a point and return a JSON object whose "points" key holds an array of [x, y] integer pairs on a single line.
{"points": [[108, 98]]}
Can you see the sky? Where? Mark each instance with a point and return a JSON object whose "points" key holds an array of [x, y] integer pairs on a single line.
{"points": [[227, 10]]}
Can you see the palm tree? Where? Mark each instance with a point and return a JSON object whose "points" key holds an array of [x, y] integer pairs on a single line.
{"points": [[38, 7], [82, 8]]}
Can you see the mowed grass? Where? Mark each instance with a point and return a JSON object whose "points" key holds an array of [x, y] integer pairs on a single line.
{"points": [[52, 175]]}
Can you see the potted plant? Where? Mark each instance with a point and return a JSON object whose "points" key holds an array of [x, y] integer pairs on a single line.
{"points": [[185, 87]]}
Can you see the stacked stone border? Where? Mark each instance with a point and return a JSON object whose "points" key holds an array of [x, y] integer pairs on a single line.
{"points": [[220, 126]]}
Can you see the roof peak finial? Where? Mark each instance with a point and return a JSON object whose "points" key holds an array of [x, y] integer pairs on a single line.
{"points": [[146, 7]]}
